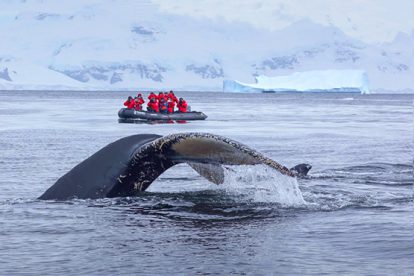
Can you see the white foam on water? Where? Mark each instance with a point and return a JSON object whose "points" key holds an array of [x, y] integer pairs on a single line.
{"points": [[261, 183]]}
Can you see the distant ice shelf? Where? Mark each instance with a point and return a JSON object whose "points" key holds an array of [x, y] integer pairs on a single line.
{"points": [[310, 81]]}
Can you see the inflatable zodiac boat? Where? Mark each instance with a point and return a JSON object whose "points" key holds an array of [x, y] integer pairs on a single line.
{"points": [[132, 114]]}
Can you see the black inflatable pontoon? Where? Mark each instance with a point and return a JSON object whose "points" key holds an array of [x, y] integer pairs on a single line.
{"points": [[125, 113]]}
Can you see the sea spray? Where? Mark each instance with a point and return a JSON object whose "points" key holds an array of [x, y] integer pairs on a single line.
{"points": [[260, 183]]}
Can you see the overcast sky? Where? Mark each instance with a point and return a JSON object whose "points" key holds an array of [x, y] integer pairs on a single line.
{"points": [[373, 21]]}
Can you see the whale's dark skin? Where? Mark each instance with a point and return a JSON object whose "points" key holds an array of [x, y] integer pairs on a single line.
{"points": [[129, 165], [94, 177], [301, 170]]}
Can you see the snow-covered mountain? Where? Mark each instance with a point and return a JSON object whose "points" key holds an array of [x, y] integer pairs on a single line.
{"points": [[134, 45]]}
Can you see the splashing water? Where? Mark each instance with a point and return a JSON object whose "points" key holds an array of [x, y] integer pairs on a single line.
{"points": [[262, 184]]}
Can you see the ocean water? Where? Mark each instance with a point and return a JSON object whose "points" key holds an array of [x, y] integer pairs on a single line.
{"points": [[353, 215]]}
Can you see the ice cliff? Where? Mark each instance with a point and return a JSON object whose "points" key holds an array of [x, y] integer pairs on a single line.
{"points": [[309, 81]]}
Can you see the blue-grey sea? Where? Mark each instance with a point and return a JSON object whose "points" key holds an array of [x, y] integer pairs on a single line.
{"points": [[354, 214]]}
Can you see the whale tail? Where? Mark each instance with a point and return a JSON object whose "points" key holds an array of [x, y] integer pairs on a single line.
{"points": [[129, 166]]}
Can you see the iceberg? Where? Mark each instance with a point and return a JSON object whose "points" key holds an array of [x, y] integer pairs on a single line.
{"points": [[310, 81]]}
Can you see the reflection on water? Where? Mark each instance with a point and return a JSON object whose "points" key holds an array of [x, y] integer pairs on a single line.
{"points": [[149, 122]]}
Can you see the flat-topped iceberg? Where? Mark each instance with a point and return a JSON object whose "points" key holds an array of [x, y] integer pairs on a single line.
{"points": [[309, 81]]}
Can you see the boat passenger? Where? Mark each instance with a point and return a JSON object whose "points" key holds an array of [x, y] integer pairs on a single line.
{"points": [[166, 96], [182, 105], [161, 96], [138, 102], [141, 100], [172, 97], [163, 105], [129, 103], [152, 95], [171, 105], [152, 106]]}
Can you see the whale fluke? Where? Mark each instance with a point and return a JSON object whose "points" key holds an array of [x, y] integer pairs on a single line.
{"points": [[212, 172], [129, 165]]}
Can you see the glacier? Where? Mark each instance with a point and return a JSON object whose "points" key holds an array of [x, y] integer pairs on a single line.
{"points": [[308, 81]]}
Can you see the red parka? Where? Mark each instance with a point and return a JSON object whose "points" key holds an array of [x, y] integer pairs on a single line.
{"points": [[138, 103], [172, 97], [162, 97], [140, 100], [153, 106], [182, 106], [130, 104], [171, 105], [152, 96]]}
